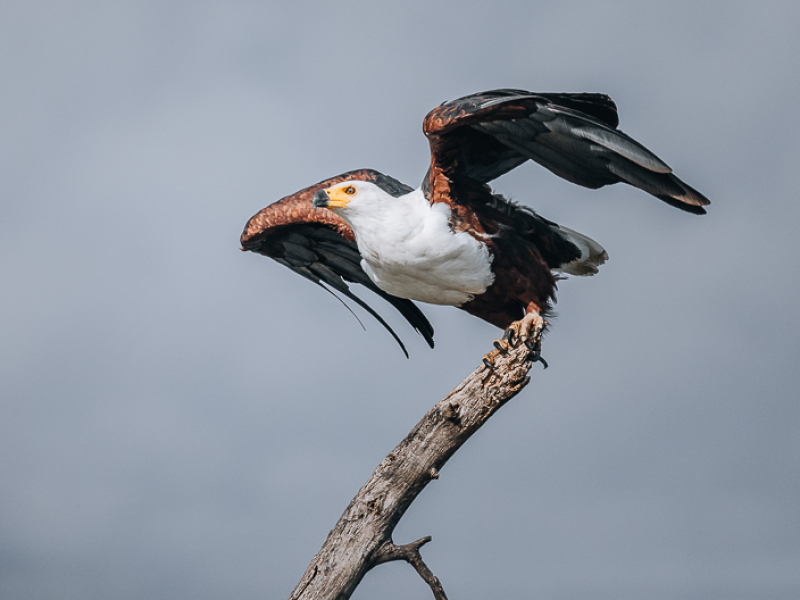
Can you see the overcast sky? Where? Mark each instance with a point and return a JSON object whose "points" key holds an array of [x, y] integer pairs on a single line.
{"points": [[179, 419]]}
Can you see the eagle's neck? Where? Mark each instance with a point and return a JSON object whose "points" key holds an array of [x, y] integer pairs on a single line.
{"points": [[409, 250]]}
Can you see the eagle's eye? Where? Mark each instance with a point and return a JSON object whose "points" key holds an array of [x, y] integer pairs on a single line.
{"points": [[350, 190]]}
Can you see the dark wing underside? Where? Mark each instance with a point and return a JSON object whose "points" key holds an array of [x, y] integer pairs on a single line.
{"points": [[485, 135], [321, 247]]}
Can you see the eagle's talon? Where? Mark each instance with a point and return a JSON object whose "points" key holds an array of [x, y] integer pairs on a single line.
{"points": [[530, 345], [541, 360], [510, 337], [500, 347], [488, 363]]}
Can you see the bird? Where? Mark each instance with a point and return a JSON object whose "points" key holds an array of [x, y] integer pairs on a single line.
{"points": [[453, 240]]}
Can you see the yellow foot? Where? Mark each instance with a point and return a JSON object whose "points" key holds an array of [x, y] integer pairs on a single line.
{"points": [[528, 331]]}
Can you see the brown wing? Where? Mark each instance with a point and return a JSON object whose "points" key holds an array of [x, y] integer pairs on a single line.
{"points": [[321, 247], [479, 137]]}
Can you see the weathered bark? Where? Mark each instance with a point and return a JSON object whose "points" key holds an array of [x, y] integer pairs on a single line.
{"points": [[362, 538]]}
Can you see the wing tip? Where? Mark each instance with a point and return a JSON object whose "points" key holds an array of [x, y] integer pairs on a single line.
{"points": [[694, 205], [691, 200]]}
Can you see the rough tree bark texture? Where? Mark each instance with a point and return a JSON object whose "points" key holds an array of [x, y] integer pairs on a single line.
{"points": [[362, 538]]}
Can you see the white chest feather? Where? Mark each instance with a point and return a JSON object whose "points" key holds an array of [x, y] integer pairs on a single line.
{"points": [[409, 251]]}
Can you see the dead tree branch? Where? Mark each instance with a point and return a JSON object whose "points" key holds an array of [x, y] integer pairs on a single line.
{"points": [[362, 538]]}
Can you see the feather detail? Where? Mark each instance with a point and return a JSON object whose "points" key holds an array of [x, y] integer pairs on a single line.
{"points": [[592, 254]]}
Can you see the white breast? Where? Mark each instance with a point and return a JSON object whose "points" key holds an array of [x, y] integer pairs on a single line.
{"points": [[409, 251]]}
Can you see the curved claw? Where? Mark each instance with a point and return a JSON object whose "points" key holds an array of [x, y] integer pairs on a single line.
{"points": [[510, 337], [488, 363], [499, 345], [530, 345], [536, 354]]}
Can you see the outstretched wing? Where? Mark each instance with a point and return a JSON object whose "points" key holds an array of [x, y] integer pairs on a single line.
{"points": [[479, 137], [321, 247]]}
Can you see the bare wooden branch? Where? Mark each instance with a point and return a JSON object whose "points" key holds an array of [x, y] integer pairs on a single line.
{"points": [[362, 538], [410, 554]]}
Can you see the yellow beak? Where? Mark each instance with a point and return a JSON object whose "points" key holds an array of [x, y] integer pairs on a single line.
{"points": [[337, 198]]}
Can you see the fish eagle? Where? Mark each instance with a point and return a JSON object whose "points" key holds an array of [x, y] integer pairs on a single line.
{"points": [[452, 240]]}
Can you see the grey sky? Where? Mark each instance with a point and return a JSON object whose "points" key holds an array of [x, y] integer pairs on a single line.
{"points": [[179, 419]]}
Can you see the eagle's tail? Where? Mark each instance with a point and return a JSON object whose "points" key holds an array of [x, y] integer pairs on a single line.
{"points": [[592, 254]]}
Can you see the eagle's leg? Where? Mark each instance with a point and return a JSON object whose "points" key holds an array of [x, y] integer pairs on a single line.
{"points": [[528, 331]]}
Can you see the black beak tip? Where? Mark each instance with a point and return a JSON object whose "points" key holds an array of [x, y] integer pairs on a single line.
{"points": [[320, 199]]}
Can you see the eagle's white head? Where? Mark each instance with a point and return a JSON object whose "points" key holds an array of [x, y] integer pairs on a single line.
{"points": [[357, 202]]}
